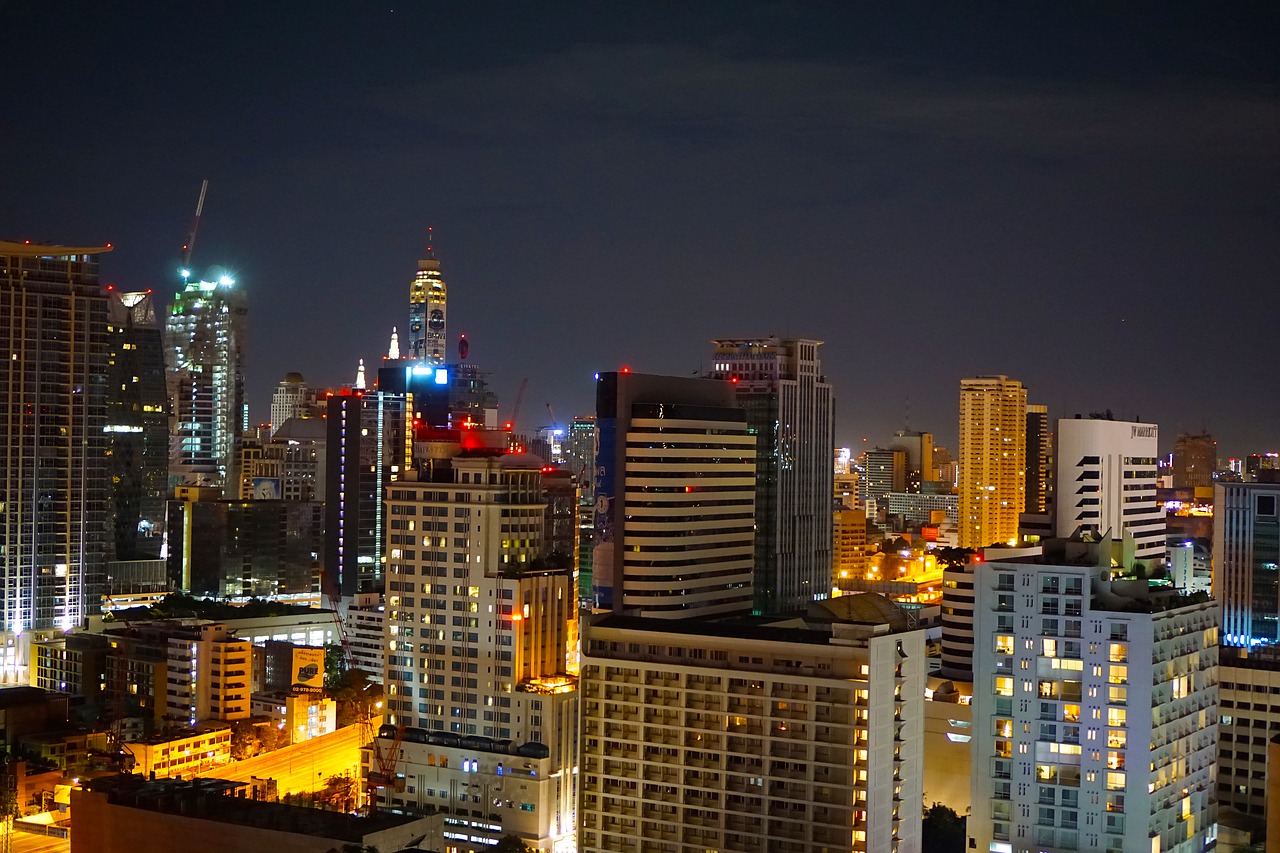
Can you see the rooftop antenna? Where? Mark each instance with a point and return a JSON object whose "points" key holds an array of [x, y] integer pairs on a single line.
{"points": [[906, 417], [195, 226], [431, 239]]}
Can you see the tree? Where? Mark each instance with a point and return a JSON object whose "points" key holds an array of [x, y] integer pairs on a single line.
{"points": [[954, 558], [942, 830], [512, 844], [245, 742]]}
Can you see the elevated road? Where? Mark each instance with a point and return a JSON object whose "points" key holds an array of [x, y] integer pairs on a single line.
{"points": [[303, 767]]}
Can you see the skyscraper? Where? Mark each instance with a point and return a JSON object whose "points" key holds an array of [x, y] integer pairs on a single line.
{"points": [[993, 447], [1039, 460], [675, 497], [1195, 458], [293, 398], [137, 423], [1246, 557], [205, 337], [368, 446], [54, 487], [480, 618], [427, 304], [789, 406], [1107, 483]]}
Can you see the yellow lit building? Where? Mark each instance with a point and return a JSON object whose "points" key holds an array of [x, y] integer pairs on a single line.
{"points": [[993, 450]]}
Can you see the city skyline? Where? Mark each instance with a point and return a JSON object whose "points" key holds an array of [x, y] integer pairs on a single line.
{"points": [[1030, 193]]}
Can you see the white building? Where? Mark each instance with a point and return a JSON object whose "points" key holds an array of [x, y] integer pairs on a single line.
{"points": [[365, 626], [1095, 708], [803, 735], [1107, 482]]}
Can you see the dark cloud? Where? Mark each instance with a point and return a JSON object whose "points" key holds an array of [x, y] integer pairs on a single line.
{"points": [[1080, 198]]}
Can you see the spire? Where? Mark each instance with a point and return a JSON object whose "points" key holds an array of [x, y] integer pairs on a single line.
{"points": [[360, 376], [394, 352], [431, 241]]}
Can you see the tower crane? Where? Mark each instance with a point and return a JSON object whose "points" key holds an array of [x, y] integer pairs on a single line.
{"points": [[515, 410], [190, 245]]}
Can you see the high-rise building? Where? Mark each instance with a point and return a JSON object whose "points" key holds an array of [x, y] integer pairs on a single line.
{"points": [[1107, 483], [675, 497], [1195, 458], [850, 561], [1095, 708], [137, 423], [789, 406], [54, 486], [993, 447], [369, 444], [205, 338], [884, 470], [479, 623], [581, 453], [232, 548], [1039, 460], [293, 398], [288, 466], [1246, 554], [918, 447], [209, 671], [427, 304], [776, 738]]}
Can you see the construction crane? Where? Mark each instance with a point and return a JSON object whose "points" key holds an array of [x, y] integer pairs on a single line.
{"points": [[384, 776], [195, 226], [515, 410]]}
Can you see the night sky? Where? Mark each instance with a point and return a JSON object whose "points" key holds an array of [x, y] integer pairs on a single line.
{"points": [[1083, 196]]}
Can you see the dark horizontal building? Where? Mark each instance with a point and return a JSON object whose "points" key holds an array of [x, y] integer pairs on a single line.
{"points": [[242, 548]]}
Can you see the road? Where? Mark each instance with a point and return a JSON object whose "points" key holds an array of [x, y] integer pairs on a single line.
{"points": [[25, 842], [301, 767]]}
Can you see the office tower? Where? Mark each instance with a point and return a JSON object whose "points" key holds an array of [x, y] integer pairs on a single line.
{"points": [[919, 467], [754, 737], [241, 548], [849, 561], [54, 487], [789, 409], [137, 423], [479, 624], [289, 466], [427, 303], [1195, 458], [946, 467], [993, 447], [1107, 483], [1246, 552], [1095, 708], [369, 444], [581, 450], [205, 337], [1039, 460], [675, 497], [293, 398], [883, 471]]}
